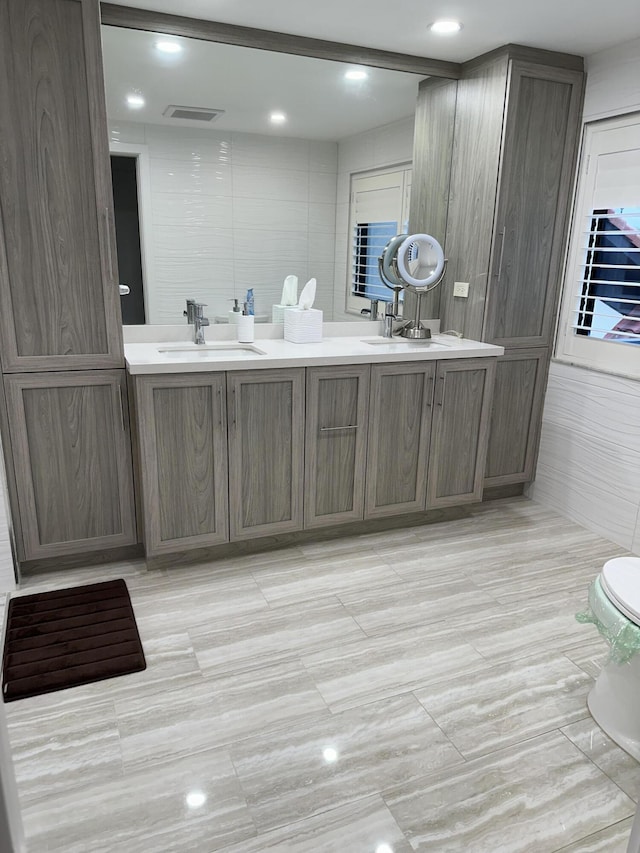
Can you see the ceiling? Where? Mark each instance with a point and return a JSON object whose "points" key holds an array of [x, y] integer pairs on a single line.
{"points": [[573, 26], [248, 85]]}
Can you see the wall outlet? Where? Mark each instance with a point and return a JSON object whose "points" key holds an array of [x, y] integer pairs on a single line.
{"points": [[461, 288]]}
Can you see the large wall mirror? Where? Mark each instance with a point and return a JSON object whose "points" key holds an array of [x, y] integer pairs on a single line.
{"points": [[215, 194]]}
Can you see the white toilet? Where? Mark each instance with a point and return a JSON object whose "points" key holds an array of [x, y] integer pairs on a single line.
{"points": [[614, 701]]}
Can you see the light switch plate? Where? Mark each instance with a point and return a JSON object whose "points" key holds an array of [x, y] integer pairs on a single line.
{"points": [[461, 288]]}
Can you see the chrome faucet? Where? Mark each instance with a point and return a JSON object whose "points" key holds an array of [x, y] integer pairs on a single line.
{"points": [[199, 322], [190, 312], [389, 317]]}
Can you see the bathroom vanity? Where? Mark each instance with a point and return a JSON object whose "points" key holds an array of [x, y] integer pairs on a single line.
{"points": [[246, 449], [247, 441]]}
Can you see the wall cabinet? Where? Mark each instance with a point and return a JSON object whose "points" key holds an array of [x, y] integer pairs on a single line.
{"points": [[183, 452], [399, 436], [72, 455], [59, 301], [335, 444], [266, 451]]}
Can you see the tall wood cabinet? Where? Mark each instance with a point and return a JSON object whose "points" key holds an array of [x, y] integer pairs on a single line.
{"points": [[66, 445], [515, 131]]}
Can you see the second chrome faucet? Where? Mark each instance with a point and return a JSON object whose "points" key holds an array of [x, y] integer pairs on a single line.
{"points": [[195, 317]]}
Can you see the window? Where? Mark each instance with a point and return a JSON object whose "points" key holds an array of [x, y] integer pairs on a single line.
{"points": [[600, 325], [379, 210]]}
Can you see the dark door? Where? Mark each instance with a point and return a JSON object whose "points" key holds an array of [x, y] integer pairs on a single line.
{"points": [[125, 203]]}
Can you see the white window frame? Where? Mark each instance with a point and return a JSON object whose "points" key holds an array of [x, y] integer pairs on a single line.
{"points": [[354, 304], [584, 351]]}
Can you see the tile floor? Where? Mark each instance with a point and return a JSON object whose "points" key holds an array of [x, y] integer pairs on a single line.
{"points": [[420, 689]]}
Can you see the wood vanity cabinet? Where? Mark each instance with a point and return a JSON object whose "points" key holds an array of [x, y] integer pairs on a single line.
{"points": [[72, 455], [399, 437], [182, 431], [59, 300], [266, 451], [516, 414], [460, 431], [335, 444]]}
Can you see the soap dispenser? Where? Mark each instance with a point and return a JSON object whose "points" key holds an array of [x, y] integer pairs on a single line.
{"points": [[235, 313], [245, 326]]}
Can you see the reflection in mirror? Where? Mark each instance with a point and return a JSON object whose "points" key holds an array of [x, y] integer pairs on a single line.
{"points": [[232, 169]]}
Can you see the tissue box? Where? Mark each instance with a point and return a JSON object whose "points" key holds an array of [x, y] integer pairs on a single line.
{"points": [[277, 313], [303, 326]]}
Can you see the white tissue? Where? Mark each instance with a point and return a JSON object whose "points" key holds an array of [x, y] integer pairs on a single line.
{"points": [[290, 291], [308, 295]]}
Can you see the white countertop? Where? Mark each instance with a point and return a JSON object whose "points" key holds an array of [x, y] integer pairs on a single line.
{"points": [[169, 349]]}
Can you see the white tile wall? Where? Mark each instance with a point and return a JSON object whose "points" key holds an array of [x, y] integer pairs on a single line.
{"points": [[589, 462], [388, 145], [236, 210]]}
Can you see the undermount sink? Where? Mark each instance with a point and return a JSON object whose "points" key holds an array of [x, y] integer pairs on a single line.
{"points": [[224, 349]]}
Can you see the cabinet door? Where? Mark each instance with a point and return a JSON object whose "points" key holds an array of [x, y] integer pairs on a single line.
{"points": [[266, 451], [536, 176], [399, 435], [72, 458], [462, 405], [182, 426], [59, 302], [516, 416], [336, 444]]}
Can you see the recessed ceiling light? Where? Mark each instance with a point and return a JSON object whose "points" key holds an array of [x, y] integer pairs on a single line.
{"points": [[445, 28], [355, 74], [135, 101], [278, 118], [166, 46]]}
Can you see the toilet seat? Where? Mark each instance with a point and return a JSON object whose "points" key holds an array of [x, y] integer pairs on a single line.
{"points": [[620, 580]]}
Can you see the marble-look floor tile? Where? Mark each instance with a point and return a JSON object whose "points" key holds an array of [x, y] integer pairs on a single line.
{"points": [[266, 636], [413, 603], [193, 805], [315, 578], [497, 706], [536, 796], [364, 826], [171, 665], [613, 839], [591, 655], [540, 625], [184, 603], [64, 748], [619, 766], [216, 712], [324, 762], [370, 669]]}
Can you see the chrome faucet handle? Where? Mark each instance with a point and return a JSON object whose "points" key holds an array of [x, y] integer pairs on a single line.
{"points": [[190, 312], [199, 321]]}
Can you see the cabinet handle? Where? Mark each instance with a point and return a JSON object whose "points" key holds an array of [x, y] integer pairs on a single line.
{"points": [[333, 429], [235, 407], [220, 404], [502, 235], [440, 394], [121, 403], [432, 382], [107, 237]]}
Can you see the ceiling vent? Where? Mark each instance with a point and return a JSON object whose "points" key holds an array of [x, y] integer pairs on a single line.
{"points": [[192, 113]]}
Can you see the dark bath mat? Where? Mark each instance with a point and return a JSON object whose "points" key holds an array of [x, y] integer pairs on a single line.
{"points": [[68, 637]]}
